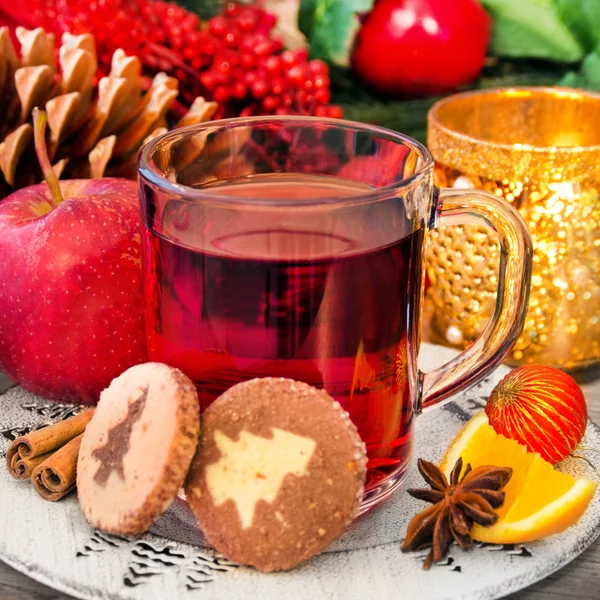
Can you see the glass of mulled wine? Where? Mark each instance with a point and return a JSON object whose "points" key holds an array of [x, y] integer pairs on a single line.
{"points": [[294, 247]]}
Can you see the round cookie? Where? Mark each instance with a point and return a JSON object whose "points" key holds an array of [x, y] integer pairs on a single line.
{"points": [[137, 448], [278, 475]]}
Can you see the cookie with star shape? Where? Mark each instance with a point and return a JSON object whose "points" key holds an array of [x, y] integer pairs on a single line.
{"points": [[278, 475], [137, 449]]}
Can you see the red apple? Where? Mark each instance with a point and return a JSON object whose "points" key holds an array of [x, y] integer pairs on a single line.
{"points": [[71, 308]]}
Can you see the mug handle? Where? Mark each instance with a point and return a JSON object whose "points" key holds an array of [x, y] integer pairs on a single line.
{"points": [[459, 207]]}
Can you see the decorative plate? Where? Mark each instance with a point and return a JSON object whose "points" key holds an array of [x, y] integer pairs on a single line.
{"points": [[53, 543]]}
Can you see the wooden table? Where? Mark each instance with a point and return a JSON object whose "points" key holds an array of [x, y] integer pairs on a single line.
{"points": [[580, 580]]}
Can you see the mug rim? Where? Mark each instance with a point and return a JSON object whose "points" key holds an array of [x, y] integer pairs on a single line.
{"points": [[434, 121], [191, 194]]}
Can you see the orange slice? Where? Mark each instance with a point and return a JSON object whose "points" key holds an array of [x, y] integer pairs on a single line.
{"points": [[539, 500]]}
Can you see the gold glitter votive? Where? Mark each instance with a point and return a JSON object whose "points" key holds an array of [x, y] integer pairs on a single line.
{"points": [[539, 149]]}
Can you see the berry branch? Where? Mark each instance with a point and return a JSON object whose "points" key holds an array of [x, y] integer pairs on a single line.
{"points": [[233, 59]]}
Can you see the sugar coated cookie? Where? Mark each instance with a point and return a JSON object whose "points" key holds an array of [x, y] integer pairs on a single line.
{"points": [[137, 448], [278, 475]]}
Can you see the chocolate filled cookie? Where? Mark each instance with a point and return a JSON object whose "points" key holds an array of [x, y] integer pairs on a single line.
{"points": [[278, 475], [137, 448]]}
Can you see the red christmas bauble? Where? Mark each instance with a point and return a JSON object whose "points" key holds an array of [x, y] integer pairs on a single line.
{"points": [[541, 408]]}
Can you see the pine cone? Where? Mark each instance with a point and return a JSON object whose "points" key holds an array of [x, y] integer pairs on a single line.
{"points": [[94, 130]]}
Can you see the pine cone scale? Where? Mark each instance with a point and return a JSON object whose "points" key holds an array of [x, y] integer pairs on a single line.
{"points": [[62, 111], [11, 150], [93, 129]]}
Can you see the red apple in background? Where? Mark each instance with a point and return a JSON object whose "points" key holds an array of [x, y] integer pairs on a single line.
{"points": [[71, 309], [420, 47]]}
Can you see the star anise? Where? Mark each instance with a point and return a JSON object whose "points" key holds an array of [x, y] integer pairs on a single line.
{"points": [[458, 504]]}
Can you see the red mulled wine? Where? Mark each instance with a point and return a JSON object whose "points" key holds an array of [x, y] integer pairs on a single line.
{"points": [[231, 301]]}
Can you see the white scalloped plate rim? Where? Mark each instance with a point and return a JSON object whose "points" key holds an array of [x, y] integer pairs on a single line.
{"points": [[363, 552]]}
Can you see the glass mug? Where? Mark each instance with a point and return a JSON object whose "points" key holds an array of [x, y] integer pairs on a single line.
{"points": [[294, 247]]}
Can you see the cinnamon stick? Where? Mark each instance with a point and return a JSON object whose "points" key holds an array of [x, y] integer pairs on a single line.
{"points": [[44, 441], [55, 477], [21, 468]]}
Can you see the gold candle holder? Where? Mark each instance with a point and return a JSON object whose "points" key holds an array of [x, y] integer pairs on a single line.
{"points": [[539, 149]]}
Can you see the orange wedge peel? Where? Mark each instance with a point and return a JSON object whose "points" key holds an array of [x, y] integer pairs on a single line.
{"points": [[540, 500]]}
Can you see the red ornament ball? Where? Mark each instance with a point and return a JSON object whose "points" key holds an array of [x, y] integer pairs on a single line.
{"points": [[541, 408], [416, 48]]}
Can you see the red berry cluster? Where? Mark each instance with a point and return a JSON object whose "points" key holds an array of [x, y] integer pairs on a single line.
{"points": [[248, 65], [113, 23], [233, 59]]}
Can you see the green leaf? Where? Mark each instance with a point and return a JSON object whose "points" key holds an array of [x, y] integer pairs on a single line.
{"points": [[588, 75], [591, 70], [406, 116], [410, 116], [306, 17], [330, 27], [204, 8], [582, 17], [531, 29]]}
